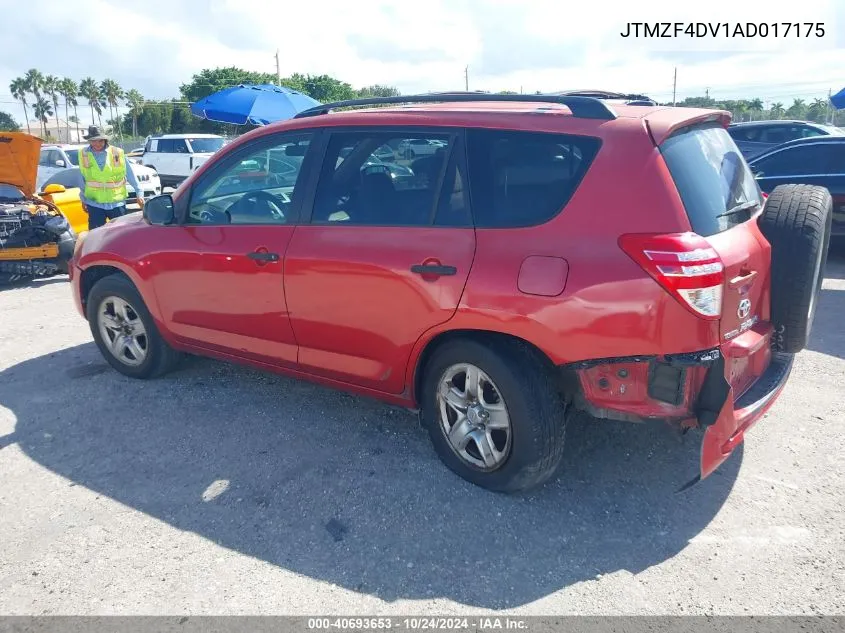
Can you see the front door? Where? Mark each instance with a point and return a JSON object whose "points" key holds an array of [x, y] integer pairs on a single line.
{"points": [[384, 258], [219, 276]]}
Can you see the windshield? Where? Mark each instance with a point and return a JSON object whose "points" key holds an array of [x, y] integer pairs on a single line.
{"points": [[203, 145], [73, 156], [715, 184], [8, 193]]}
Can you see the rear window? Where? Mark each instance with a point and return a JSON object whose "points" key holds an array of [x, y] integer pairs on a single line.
{"points": [[524, 178], [715, 184]]}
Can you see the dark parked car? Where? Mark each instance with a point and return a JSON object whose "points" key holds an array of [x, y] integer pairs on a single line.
{"points": [[816, 161], [755, 137]]}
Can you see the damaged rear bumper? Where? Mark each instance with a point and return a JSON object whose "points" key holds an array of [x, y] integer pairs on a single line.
{"points": [[736, 416], [723, 390]]}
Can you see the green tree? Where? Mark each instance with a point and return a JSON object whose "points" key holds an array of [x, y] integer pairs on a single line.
{"points": [[211, 80], [377, 90], [69, 90], [798, 109], [739, 109], [136, 104], [777, 111], [111, 93], [818, 111], [155, 118], [755, 106], [34, 82], [8, 124], [51, 89], [43, 111], [180, 118], [88, 89], [19, 90]]}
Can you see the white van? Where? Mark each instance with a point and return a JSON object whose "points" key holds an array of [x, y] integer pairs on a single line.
{"points": [[177, 156]]}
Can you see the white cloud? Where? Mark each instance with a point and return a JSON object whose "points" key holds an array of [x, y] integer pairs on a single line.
{"points": [[156, 45]]}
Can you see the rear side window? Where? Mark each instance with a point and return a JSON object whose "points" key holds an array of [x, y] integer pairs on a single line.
{"points": [[524, 178], [715, 184], [805, 160]]}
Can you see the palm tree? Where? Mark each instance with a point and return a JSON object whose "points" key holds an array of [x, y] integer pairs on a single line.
{"points": [[88, 89], [51, 89], [798, 109], [740, 109], [818, 111], [755, 105], [777, 110], [136, 106], [111, 92], [34, 81], [18, 88], [43, 111], [68, 89]]}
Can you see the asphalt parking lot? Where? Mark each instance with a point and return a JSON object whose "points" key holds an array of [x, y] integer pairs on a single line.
{"points": [[222, 490]]}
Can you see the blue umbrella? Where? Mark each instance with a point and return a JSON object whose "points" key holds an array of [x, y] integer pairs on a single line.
{"points": [[252, 104], [838, 100]]}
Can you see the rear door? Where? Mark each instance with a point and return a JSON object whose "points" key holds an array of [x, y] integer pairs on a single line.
{"points": [[721, 199], [384, 259]]}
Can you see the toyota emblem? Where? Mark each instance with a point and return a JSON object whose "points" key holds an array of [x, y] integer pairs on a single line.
{"points": [[744, 308]]}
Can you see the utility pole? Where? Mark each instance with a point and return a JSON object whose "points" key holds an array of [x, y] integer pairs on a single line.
{"points": [[278, 70], [674, 86], [707, 93], [466, 78]]}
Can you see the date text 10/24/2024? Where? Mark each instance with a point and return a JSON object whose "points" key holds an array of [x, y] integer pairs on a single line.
{"points": [[417, 624], [723, 29]]}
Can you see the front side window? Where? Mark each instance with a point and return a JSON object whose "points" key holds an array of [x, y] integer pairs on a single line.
{"points": [[362, 182], [524, 178], [257, 189]]}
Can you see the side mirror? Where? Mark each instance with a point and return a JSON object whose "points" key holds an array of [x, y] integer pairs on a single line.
{"points": [[60, 163], [159, 210], [54, 188]]}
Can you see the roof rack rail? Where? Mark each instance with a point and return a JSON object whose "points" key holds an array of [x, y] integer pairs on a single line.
{"points": [[581, 106], [630, 99]]}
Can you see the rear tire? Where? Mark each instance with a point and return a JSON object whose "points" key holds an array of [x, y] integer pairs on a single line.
{"points": [[796, 220], [152, 356], [533, 406]]}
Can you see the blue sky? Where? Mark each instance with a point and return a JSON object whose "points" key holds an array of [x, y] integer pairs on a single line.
{"points": [[544, 45]]}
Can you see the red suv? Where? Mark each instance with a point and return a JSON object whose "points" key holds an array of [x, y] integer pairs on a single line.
{"points": [[550, 254]]}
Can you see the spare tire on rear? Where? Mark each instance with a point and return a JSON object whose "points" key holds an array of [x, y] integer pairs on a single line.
{"points": [[796, 221]]}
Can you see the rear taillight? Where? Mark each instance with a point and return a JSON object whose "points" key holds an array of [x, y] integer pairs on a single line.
{"points": [[685, 265]]}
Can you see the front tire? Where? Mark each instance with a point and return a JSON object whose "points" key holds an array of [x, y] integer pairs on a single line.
{"points": [[494, 414], [125, 331]]}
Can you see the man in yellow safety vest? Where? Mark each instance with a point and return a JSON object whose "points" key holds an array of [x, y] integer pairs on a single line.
{"points": [[105, 174]]}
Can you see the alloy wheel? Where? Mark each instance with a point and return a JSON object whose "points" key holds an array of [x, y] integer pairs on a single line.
{"points": [[122, 331], [473, 417]]}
